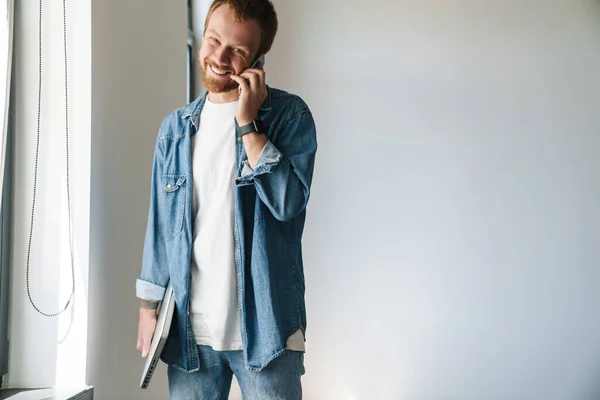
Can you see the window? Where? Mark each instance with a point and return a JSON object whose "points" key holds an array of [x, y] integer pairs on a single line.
{"points": [[6, 40]]}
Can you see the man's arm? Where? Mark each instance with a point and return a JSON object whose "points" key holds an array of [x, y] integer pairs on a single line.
{"points": [[154, 276], [254, 143], [149, 286], [282, 173]]}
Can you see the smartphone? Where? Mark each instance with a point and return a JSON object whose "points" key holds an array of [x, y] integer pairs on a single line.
{"points": [[260, 59]]}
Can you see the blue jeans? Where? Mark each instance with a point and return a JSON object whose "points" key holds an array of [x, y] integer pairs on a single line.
{"points": [[279, 380]]}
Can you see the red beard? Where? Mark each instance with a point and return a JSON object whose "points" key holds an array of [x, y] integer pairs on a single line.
{"points": [[215, 85]]}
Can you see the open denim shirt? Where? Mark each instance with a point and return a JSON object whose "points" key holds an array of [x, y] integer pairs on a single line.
{"points": [[269, 216]]}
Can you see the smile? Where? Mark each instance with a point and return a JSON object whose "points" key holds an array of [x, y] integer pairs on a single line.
{"points": [[218, 71]]}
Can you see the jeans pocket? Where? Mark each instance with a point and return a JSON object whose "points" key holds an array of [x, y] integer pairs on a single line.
{"points": [[173, 188]]}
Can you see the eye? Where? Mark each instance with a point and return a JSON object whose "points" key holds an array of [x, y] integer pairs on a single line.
{"points": [[239, 52]]}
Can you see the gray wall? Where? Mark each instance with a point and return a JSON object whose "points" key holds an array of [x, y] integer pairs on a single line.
{"points": [[452, 241], [452, 246], [138, 77]]}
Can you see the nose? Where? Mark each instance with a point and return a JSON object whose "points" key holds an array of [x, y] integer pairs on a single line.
{"points": [[220, 56]]}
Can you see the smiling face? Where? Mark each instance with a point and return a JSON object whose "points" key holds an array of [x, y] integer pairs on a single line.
{"points": [[229, 47]]}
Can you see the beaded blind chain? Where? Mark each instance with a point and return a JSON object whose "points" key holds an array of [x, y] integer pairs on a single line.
{"points": [[37, 150]]}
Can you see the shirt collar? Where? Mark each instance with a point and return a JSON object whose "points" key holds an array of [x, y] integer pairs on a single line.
{"points": [[194, 108]]}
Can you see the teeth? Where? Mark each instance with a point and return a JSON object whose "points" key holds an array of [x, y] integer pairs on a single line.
{"points": [[218, 71]]}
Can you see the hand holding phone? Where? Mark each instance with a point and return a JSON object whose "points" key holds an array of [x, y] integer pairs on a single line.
{"points": [[259, 63], [252, 90]]}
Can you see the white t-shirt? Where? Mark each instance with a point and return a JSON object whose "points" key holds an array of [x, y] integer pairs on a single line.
{"points": [[214, 309], [214, 302]]}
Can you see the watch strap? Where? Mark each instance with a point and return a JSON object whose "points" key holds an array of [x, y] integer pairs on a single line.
{"points": [[254, 126]]}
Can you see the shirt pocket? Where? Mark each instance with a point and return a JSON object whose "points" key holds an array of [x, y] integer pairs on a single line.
{"points": [[173, 190]]}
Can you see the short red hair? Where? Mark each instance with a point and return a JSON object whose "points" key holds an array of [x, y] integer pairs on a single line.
{"points": [[261, 10]]}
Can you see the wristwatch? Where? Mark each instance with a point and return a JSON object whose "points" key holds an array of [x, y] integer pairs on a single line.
{"points": [[254, 126]]}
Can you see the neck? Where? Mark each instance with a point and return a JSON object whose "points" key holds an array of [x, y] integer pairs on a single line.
{"points": [[226, 97]]}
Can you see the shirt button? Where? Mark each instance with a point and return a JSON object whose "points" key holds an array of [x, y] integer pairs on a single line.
{"points": [[239, 274], [240, 308]]}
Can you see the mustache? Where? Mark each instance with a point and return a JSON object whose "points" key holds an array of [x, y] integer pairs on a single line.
{"points": [[208, 62]]}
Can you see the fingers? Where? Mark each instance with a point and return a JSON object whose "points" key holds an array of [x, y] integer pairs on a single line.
{"points": [[252, 91], [140, 338], [254, 80], [241, 81], [146, 350], [146, 327], [146, 342], [255, 76], [253, 71]]}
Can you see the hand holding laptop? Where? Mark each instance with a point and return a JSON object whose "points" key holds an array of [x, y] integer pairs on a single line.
{"points": [[153, 331], [146, 328]]}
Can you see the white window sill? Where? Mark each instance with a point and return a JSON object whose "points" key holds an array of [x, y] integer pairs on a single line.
{"points": [[86, 393]]}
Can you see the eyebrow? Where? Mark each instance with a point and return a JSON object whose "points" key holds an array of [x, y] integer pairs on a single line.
{"points": [[238, 45]]}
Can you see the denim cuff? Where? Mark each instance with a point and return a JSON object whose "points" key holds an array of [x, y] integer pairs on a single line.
{"points": [[148, 291], [268, 159]]}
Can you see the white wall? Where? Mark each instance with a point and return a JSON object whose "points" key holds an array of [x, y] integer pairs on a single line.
{"points": [[50, 351], [453, 235], [138, 77]]}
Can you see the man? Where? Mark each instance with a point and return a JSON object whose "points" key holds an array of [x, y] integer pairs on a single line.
{"points": [[230, 183]]}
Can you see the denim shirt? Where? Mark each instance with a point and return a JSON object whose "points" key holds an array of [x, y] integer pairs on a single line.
{"points": [[269, 216]]}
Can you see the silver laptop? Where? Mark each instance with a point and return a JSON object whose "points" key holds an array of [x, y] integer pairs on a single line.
{"points": [[163, 325]]}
